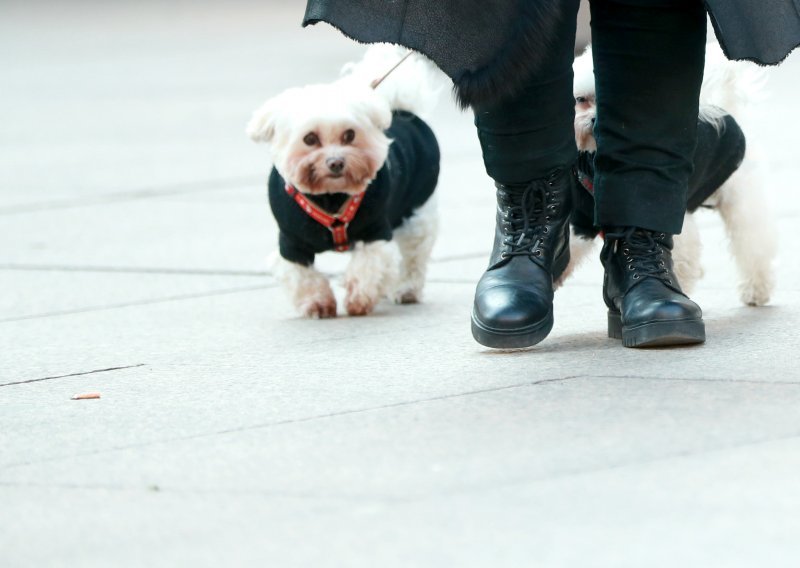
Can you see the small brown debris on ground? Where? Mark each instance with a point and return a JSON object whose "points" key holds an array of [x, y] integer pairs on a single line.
{"points": [[86, 396]]}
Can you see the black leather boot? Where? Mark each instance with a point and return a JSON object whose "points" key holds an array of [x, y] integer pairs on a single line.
{"points": [[646, 306], [514, 298]]}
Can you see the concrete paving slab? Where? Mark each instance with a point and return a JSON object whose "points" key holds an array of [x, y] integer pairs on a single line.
{"points": [[232, 432], [43, 293], [231, 360], [464, 443], [233, 230], [145, 234], [682, 502], [135, 93]]}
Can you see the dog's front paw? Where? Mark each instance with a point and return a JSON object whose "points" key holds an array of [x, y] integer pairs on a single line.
{"points": [[357, 301], [319, 308]]}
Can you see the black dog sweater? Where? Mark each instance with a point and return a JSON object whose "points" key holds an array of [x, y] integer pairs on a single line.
{"points": [[404, 183], [718, 154]]}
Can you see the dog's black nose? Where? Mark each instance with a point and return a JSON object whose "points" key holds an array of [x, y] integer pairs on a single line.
{"points": [[335, 165]]}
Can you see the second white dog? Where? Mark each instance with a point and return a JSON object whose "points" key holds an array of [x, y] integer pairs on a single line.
{"points": [[728, 88]]}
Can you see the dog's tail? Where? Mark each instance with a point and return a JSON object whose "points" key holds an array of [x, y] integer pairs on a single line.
{"points": [[729, 87], [415, 85]]}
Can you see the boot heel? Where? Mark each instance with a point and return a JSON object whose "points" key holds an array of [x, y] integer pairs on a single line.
{"points": [[614, 325]]}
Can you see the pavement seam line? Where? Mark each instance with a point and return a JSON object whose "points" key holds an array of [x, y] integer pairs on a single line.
{"points": [[112, 198], [158, 488], [167, 299], [72, 375], [291, 421], [696, 380], [464, 491], [132, 270], [688, 454], [178, 271], [366, 410]]}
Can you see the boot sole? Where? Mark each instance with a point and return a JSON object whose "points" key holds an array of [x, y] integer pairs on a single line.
{"points": [[657, 333], [514, 338]]}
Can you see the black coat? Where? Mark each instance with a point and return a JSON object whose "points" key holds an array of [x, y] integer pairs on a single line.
{"points": [[763, 31], [491, 47]]}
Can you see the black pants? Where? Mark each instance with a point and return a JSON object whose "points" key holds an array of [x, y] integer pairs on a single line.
{"points": [[648, 58]]}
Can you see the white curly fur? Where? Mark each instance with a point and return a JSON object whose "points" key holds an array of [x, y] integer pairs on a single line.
{"points": [[752, 238], [415, 239], [580, 248], [414, 86], [728, 88], [686, 251], [377, 269], [308, 289]]}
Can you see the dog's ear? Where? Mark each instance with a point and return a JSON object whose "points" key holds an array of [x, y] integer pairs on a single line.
{"points": [[583, 70], [375, 107], [261, 127]]}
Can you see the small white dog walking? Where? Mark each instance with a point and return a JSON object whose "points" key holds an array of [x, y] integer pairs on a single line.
{"points": [[728, 88], [354, 167]]}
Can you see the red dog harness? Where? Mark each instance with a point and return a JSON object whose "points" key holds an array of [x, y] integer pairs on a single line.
{"points": [[337, 224], [588, 184], [585, 181]]}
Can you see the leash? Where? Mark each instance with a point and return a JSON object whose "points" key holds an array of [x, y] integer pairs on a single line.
{"points": [[376, 83]]}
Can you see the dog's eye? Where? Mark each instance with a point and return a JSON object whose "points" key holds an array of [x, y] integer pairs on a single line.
{"points": [[348, 136], [581, 100], [311, 139]]}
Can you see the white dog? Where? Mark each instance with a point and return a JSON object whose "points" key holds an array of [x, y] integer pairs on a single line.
{"points": [[728, 88], [354, 167]]}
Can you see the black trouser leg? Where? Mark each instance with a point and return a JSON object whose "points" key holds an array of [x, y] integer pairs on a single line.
{"points": [[528, 136], [648, 59]]}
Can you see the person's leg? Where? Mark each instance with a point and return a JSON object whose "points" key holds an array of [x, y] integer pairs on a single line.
{"points": [[648, 61], [526, 137], [528, 145]]}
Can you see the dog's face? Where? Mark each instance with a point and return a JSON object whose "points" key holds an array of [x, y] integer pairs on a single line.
{"points": [[585, 102], [585, 113], [325, 138]]}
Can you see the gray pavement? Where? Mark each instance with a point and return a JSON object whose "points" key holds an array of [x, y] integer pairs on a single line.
{"points": [[232, 433]]}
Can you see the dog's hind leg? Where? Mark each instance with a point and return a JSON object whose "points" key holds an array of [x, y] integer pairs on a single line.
{"points": [[686, 251], [415, 239], [751, 230], [308, 289]]}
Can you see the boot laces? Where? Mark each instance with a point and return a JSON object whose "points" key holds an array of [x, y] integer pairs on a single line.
{"points": [[525, 218], [643, 252]]}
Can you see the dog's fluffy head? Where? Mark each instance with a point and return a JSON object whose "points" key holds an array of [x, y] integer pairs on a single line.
{"points": [[585, 102], [325, 138]]}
